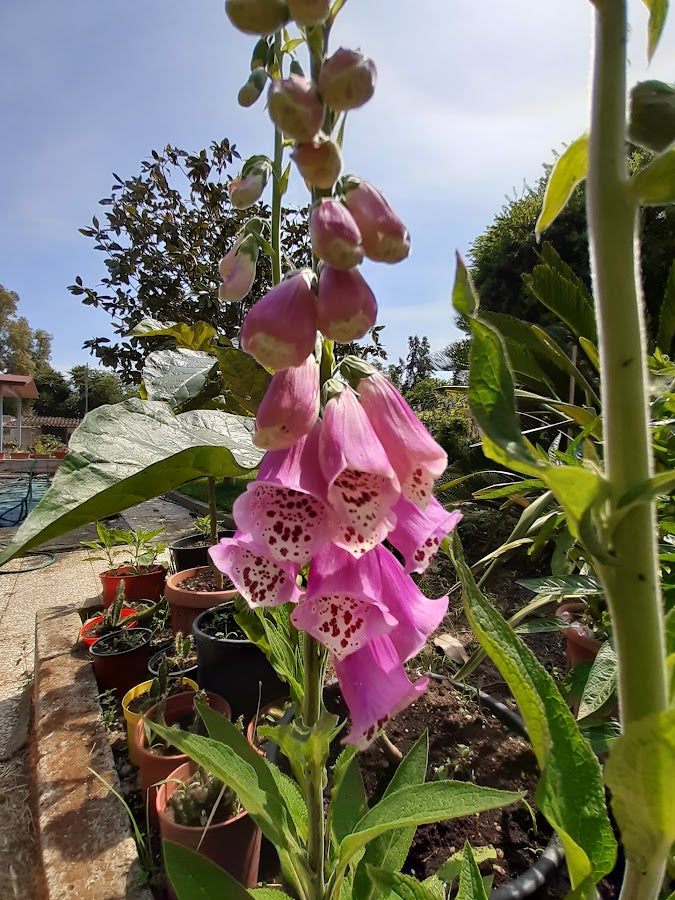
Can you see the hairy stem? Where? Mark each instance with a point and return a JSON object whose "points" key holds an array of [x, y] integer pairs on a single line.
{"points": [[631, 580], [277, 162], [314, 772]]}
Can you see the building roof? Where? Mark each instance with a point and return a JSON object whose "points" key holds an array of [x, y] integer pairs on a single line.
{"points": [[18, 386], [50, 421]]}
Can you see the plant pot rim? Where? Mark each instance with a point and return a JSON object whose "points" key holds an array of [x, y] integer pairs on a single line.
{"points": [[89, 624], [144, 686], [164, 652], [196, 626], [588, 641], [152, 570], [201, 540], [179, 596], [161, 792], [147, 631]]}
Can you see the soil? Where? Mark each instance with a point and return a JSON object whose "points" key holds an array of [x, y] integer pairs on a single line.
{"points": [[222, 625], [206, 581], [121, 641], [119, 572]]}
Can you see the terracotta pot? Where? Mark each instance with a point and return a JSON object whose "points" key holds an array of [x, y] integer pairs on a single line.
{"points": [[252, 737], [236, 669], [233, 845], [119, 672], [85, 632], [131, 718], [581, 646], [60, 454], [152, 766], [40, 455], [18, 455], [148, 585], [187, 605]]}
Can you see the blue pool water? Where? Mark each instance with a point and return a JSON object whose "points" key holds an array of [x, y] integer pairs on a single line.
{"points": [[18, 496]]}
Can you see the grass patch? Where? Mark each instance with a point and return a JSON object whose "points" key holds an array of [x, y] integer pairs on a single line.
{"points": [[227, 490]]}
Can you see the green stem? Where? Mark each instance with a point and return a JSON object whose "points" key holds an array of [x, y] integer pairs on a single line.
{"points": [[631, 581], [314, 771], [213, 512], [277, 163]]}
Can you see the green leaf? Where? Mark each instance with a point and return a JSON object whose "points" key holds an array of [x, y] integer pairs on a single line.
{"points": [[663, 483], [655, 184], [559, 289], [266, 894], [579, 492], [657, 19], [423, 804], [125, 453], [176, 376], [664, 338], [564, 586], [640, 773], [245, 379], [568, 171], [389, 851], [402, 886], [349, 802], [194, 877], [453, 865], [601, 683], [290, 46], [509, 489], [464, 297], [652, 115], [470, 880], [569, 768], [591, 351], [198, 336]]}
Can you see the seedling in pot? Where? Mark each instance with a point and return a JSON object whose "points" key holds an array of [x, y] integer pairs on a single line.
{"points": [[203, 799], [163, 685], [221, 624], [195, 725], [135, 549]]}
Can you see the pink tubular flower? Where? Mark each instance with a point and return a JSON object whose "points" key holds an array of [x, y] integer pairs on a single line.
{"points": [[261, 581], [385, 237], [309, 12], [343, 609], [289, 408], [245, 190], [237, 269], [375, 687], [419, 532], [319, 162], [335, 236], [280, 329], [284, 510], [295, 108], [362, 486], [347, 79], [346, 307], [415, 456]]}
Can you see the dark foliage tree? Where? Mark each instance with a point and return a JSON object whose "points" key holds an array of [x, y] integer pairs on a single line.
{"points": [[22, 348], [165, 231], [418, 363]]}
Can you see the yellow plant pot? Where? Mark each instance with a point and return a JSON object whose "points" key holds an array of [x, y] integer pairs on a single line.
{"points": [[132, 718]]}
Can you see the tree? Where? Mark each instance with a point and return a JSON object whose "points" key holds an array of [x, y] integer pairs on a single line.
{"points": [[55, 392], [454, 359], [22, 349], [93, 388], [418, 364], [166, 231]]}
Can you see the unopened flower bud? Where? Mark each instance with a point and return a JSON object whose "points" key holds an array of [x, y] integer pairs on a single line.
{"points": [[295, 108], [353, 369], [260, 54], [280, 329], [253, 88], [385, 237], [296, 69], [247, 188], [347, 80], [319, 162], [237, 269], [335, 236], [309, 12], [257, 16], [289, 408], [346, 307]]}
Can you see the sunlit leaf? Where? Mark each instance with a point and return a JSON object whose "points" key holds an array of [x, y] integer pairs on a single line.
{"points": [[176, 376], [568, 171], [658, 10], [655, 184]]}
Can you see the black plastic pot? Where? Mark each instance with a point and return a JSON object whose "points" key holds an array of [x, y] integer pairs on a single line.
{"points": [[120, 671], [235, 669], [156, 660], [191, 551]]}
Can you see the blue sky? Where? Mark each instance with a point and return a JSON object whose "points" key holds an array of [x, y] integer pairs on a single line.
{"points": [[471, 99]]}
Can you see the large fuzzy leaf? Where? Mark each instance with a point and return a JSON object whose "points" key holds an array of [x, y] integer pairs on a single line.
{"points": [[198, 336], [555, 285], [128, 452], [176, 376]]}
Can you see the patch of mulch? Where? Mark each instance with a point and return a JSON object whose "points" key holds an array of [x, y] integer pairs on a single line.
{"points": [[206, 581]]}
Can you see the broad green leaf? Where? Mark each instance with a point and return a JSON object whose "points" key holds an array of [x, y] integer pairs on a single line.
{"points": [[666, 333], [470, 880], [640, 773], [228, 755], [578, 491], [542, 625], [655, 184], [568, 171], [509, 489], [652, 115], [244, 378], [569, 768], [453, 865], [601, 682], [422, 804], [194, 877], [267, 894], [128, 452], [591, 351], [464, 297], [403, 886], [198, 336], [564, 586], [663, 483], [176, 376], [557, 287], [389, 851], [600, 735], [349, 802], [657, 19]]}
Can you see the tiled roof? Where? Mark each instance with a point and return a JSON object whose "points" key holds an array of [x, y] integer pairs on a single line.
{"points": [[50, 421]]}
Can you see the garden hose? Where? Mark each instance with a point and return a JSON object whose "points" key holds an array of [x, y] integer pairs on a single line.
{"points": [[50, 558]]}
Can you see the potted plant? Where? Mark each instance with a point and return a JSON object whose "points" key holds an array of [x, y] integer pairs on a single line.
{"points": [[20, 454], [180, 658], [121, 659], [232, 665], [157, 757], [112, 619], [197, 810], [191, 551], [131, 557], [192, 591], [147, 694]]}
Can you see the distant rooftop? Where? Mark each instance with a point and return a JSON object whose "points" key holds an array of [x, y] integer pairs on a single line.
{"points": [[18, 386], [50, 421]]}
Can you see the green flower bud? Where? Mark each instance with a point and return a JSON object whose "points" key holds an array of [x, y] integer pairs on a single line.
{"points": [[260, 56], [257, 16], [296, 68], [253, 88]]}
